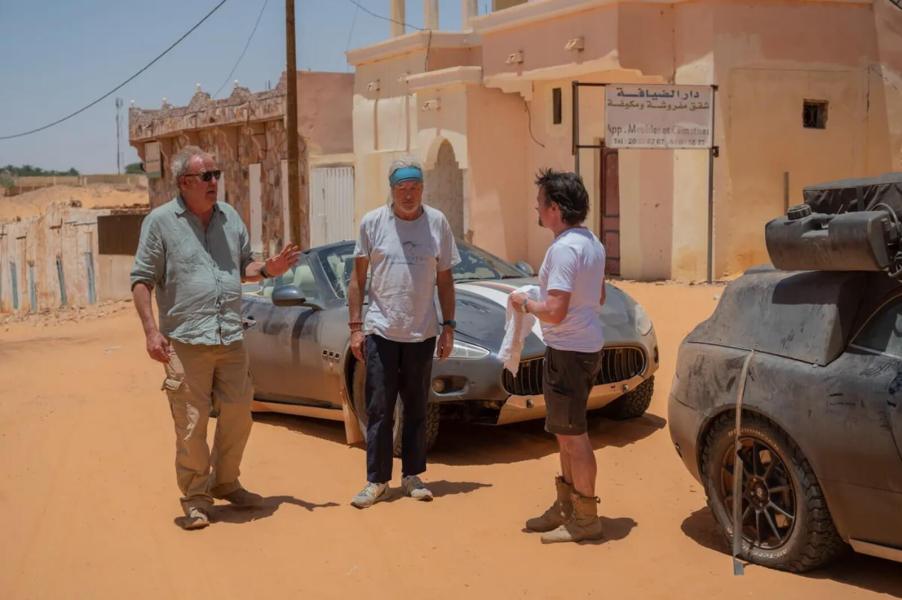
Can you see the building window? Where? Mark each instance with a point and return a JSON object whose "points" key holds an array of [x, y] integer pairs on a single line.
{"points": [[814, 114], [556, 111]]}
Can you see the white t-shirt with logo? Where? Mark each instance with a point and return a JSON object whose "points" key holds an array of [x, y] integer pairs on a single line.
{"points": [[574, 263], [404, 258]]}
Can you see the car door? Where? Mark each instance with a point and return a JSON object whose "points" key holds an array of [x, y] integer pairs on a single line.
{"points": [[881, 338], [864, 467], [286, 356]]}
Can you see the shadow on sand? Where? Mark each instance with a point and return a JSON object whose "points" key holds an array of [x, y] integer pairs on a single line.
{"points": [[865, 572], [469, 444], [231, 514], [466, 444]]}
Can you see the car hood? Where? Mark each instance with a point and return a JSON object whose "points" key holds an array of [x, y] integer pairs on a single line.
{"points": [[481, 307]]}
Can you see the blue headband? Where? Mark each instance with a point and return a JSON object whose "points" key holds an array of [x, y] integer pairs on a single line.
{"points": [[405, 174]]}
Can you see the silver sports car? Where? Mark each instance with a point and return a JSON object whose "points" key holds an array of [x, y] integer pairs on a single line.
{"points": [[297, 337]]}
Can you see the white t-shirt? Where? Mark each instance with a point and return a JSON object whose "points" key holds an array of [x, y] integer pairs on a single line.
{"points": [[575, 263], [404, 258]]}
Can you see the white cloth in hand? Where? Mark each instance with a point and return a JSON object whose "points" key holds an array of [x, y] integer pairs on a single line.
{"points": [[517, 326]]}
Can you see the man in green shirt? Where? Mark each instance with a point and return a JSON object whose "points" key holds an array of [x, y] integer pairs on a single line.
{"points": [[195, 252]]}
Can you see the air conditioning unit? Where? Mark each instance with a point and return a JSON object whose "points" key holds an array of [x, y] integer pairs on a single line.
{"points": [[373, 86], [433, 104], [515, 58]]}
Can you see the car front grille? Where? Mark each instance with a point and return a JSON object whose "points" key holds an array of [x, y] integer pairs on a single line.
{"points": [[617, 364]]}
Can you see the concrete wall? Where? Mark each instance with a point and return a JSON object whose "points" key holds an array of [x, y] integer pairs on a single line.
{"points": [[324, 112], [766, 57], [499, 190], [113, 281], [35, 245], [769, 58]]}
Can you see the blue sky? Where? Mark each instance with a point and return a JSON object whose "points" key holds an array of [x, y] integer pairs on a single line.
{"points": [[59, 55]]}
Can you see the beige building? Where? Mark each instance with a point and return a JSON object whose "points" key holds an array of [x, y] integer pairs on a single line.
{"points": [[67, 256], [807, 91], [247, 134]]}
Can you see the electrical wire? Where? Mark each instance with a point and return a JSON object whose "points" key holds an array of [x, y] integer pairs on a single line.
{"points": [[243, 52], [121, 85], [351, 31], [529, 119], [384, 18]]}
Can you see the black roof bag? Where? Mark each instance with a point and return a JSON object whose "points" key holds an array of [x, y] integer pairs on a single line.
{"points": [[850, 195]]}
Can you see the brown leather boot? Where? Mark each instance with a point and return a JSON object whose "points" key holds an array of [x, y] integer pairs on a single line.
{"points": [[582, 525], [558, 513]]}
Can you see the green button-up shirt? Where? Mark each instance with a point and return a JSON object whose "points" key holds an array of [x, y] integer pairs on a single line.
{"points": [[196, 272]]}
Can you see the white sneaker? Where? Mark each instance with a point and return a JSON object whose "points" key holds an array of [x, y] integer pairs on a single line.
{"points": [[414, 488], [369, 495]]}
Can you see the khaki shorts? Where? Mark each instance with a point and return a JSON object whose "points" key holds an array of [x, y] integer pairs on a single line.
{"points": [[567, 379]]}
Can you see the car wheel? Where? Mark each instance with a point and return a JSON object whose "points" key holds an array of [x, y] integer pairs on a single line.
{"points": [[632, 404], [358, 404], [785, 520]]}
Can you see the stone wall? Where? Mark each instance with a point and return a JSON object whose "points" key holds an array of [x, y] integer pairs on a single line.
{"points": [[245, 129]]}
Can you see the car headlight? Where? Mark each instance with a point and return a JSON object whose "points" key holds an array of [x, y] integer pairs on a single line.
{"points": [[465, 351], [643, 322]]}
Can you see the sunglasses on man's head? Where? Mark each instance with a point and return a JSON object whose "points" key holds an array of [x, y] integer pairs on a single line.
{"points": [[206, 175]]}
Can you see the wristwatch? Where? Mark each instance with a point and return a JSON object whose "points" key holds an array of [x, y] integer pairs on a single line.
{"points": [[450, 323], [525, 306]]}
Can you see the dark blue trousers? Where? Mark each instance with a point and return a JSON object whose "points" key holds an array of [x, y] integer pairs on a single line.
{"points": [[396, 369]]}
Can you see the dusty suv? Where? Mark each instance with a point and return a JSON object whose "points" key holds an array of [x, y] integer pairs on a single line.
{"points": [[820, 335]]}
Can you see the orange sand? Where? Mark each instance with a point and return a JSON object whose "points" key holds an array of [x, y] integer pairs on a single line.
{"points": [[88, 495]]}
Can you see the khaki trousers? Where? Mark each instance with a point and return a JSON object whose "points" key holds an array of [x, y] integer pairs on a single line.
{"points": [[200, 379]]}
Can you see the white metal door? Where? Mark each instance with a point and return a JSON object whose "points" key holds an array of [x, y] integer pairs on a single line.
{"points": [[331, 205], [256, 210]]}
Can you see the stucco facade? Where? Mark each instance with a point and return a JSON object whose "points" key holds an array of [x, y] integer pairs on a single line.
{"points": [[487, 93], [67, 256], [247, 134]]}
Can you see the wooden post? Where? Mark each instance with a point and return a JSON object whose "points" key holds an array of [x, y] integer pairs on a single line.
{"points": [[297, 211]]}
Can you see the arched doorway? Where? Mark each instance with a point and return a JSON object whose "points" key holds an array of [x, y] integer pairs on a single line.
{"points": [[444, 188]]}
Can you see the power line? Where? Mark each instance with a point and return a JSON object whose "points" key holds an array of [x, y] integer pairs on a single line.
{"points": [[121, 85], [378, 16], [351, 30], [246, 46]]}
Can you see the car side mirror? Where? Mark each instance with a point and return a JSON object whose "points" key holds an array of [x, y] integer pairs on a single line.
{"points": [[290, 295], [525, 267]]}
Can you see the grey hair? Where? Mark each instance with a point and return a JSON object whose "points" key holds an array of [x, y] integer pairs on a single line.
{"points": [[181, 159], [405, 161]]}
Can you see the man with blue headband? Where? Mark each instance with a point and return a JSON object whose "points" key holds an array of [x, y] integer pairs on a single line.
{"points": [[409, 250]]}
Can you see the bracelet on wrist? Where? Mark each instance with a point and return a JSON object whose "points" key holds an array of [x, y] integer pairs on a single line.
{"points": [[264, 273]]}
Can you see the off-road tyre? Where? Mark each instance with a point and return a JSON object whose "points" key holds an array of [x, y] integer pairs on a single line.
{"points": [[812, 540], [632, 404], [358, 407]]}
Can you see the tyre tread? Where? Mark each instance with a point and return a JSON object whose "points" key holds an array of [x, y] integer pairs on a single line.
{"points": [[822, 542]]}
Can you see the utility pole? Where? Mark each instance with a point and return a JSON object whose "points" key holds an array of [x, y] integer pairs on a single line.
{"points": [[297, 213], [119, 104]]}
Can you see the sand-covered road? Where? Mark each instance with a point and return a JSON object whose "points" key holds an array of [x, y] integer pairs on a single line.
{"points": [[88, 496]]}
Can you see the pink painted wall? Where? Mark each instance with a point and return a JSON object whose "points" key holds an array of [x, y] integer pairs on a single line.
{"points": [[324, 111]]}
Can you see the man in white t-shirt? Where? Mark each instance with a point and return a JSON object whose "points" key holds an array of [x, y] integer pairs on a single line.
{"points": [[571, 281], [409, 249]]}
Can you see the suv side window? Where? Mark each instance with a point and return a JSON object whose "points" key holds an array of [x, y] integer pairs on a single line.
{"points": [[883, 333]]}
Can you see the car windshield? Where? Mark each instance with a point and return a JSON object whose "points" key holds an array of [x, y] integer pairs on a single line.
{"points": [[301, 275], [475, 265]]}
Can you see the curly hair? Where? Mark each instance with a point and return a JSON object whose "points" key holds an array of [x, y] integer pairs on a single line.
{"points": [[565, 189]]}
